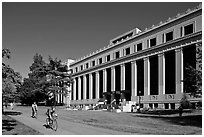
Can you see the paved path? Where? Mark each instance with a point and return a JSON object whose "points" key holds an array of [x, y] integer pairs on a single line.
{"points": [[64, 127]]}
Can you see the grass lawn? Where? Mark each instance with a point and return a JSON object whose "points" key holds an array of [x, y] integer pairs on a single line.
{"points": [[12, 127], [189, 123]]}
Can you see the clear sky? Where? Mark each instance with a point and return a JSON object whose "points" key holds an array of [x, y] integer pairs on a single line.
{"points": [[72, 30]]}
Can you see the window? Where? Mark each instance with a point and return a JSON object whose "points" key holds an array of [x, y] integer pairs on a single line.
{"points": [[139, 46], [188, 29], [150, 105], [93, 63], [162, 38], [127, 51], [108, 58], [172, 105], [81, 67], [169, 36], [76, 69], [100, 60], [166, 105], [181, 31], [117, 54], [153, 42], [87, 65], [155, 105]]}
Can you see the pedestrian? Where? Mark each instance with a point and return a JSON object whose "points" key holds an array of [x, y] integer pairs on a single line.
{"points": [[34, 110]]}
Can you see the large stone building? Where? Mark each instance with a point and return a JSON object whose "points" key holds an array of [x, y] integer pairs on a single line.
{"points": [[141, 67]]}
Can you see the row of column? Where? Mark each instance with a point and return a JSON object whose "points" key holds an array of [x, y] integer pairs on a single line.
{"points": [[161, 78]]}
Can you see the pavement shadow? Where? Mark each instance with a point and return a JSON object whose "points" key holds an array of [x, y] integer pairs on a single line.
{"points": [[11, 113], [192, 120], [8, 124]]}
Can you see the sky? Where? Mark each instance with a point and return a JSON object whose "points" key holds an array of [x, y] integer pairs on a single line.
{"points": [[72, 30]]}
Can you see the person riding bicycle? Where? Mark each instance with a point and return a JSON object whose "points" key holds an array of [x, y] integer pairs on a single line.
{"points": [[50, 113]]}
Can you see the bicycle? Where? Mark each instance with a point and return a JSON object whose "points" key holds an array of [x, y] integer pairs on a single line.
{"points": [[52, 123]]}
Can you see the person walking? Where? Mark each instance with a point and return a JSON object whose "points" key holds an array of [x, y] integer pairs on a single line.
{"points": [[34, 109]]}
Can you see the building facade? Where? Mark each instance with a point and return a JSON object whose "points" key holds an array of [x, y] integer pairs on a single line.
{"points": [[141, 67]]}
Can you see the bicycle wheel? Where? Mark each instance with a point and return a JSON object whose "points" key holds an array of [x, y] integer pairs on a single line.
{"points": [[54, 125]]}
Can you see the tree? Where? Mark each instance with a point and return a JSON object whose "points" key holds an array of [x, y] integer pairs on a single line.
{"points": [[193, 81], [32, 89], [11, 80], [46, 80], [57, 79]]}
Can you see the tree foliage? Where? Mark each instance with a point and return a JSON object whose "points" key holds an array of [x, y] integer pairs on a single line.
{"points": [[11, 80], [46, 80], [193, 81]]}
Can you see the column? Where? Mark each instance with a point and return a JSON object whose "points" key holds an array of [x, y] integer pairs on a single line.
{"points": [[97, 85], [79, 88], [122, 66], [74, 89], [90, 86], [146, 77], [104, 80], [134, 79], [161, 60], [113, 78], [84, 86], [179, 71]]}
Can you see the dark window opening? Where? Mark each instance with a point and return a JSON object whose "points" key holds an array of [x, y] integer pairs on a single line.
{"points": [[87, 86], [82, 87], [94, 85], [81, 67], [166, 105], [140, 77], [170, 76], [108, 58], [139, 46], [117, 54], [153, 42], [76, 69], [76, 88], [155, 105], [188, 29], [150, 105], [87, 65], [127, 51], [100, 60], [181, 31], [169, 36], [128, 81], [172, 105], [162, 38], [154, 75], [101, 84], [93, 63]]}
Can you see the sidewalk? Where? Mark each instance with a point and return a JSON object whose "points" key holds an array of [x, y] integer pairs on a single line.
{"points": [[64, 127]]}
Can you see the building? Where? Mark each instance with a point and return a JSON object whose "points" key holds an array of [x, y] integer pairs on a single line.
{"points": [[141, 67]]}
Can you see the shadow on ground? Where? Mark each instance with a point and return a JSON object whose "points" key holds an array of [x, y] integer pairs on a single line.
{"points": [[192, 120], [12, 113], [8, 124]]}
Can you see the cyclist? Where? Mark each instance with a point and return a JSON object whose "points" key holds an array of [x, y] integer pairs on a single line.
{"points": [[50, 112]]}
